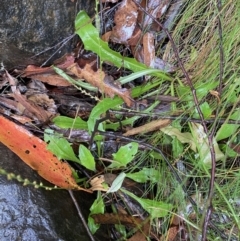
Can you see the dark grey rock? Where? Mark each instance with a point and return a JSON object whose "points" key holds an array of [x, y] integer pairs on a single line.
{"points": [[29, 27], [30, 214]]}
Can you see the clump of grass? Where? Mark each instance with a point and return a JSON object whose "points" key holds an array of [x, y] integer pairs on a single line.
{"points": [[199, 42]]}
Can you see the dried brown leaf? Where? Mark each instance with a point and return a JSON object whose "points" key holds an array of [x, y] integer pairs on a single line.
{"points": [[153, 125], [51, 79], [156, 8], [125, 20], [105, 37], [47, 74], [148, 49], [33, 110], [116, 218], [97, 184], [102, 81]]}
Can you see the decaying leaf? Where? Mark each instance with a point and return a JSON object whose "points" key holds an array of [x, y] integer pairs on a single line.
{"points": [[148, 49], [102, 81], [156, 8], [34, 111], [97, 184], [47, 74], [125, 20], [203, 144], [33, 151], [116, 218], [52, 79], [153, 125]]}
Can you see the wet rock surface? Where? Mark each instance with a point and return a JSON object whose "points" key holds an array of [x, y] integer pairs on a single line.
{"points": [[30, 214], [29, 27]]}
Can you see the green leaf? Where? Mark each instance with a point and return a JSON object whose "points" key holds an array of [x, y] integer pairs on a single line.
{"points": [[146, 174], [97, 207], [117, 183], [156, 209], [124, 155], [226, 130], [59, 146], [184, 92], [235, 115], [67, 122], [133, 76], [99, 109], [206, 109], [86, 158], [90, 37]]}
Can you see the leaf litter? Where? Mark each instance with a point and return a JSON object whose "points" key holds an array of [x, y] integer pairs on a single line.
{"points": [[38, 103]]}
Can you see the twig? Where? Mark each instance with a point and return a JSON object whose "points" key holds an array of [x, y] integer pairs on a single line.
{"points": [[173, 117], [213, 130], [81, 215]]}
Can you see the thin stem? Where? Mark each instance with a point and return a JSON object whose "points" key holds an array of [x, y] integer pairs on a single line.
{"points": [[81, 215]]}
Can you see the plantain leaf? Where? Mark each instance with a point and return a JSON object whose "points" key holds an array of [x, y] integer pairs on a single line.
{"points": [[59, 146], [90, 37], [67, 122], [156, 209], [145, 175], [86, 158], [117, 183], [124, 155]]}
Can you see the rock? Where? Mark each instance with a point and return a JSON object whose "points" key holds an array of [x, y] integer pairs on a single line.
{"points": [[29, 28], [30, 214]]}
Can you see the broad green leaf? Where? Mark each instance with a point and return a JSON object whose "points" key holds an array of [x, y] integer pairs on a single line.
{"points": [[226, 130], [97, 207], [229, 152], [146, 174], [124, 155], [86, 158], [206, 109], [155, 155], [90, 37], [156, 209], [202, 90], [99, 109], [117, 183], [235, 115], [59, 146], [67, 122], [129, 121]]}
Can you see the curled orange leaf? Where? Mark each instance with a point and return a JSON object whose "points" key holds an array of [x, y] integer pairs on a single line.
{"points": [[33, 151]]}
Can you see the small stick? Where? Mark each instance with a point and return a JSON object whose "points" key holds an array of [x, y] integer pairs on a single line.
{"points": [[81, 215]]}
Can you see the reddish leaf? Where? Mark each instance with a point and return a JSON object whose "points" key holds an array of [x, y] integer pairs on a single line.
{"points": [[33, 151]]}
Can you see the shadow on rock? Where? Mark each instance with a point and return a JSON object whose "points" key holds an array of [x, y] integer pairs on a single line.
{"points": [[30, 214], [28, 28]]}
